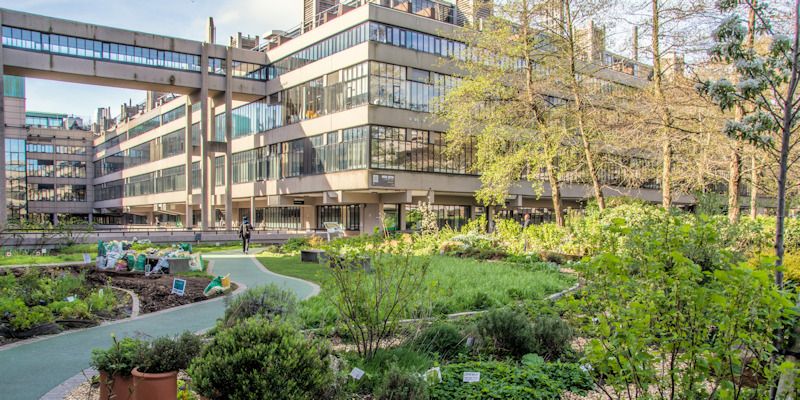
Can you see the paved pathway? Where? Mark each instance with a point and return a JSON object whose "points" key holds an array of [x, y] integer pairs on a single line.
{"points": [[30, 370]]}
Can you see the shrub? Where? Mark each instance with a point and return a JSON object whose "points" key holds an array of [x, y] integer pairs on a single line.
{"points": [[77, 309], [511, 381], [257, 359], [551, 336], [791, 266], [119, 359], [102, 300], [269, 301], [401, 385], [295, 244], [507, 332], [440, 338], [166, 354]]}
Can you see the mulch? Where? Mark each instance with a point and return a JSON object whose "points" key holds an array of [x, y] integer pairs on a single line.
{"points": [[155, 291]]}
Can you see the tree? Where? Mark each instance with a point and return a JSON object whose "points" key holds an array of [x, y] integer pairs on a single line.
{"points": [[767, 85], [503, 104]]}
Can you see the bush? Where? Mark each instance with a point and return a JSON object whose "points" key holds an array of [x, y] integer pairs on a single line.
{"points": [[441, 338], [120, 358], [295, 244], [401, 385], [166, 354], [511, 380], [506, 332], [551, 336], [258, 359], [269, 301]]}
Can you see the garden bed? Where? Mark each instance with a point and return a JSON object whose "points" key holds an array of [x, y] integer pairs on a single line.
{"points": [[154, 292], [48, 300]]}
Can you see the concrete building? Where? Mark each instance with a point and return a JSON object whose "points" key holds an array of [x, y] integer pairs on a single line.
{"points": [[329, 122]]}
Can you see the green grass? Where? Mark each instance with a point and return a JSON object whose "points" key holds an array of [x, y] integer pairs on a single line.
{"points": [[290, 265], [452, 285], [31, 260]]}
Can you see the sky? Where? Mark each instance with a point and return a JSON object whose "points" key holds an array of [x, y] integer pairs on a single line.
{"points": [[179, 18]]}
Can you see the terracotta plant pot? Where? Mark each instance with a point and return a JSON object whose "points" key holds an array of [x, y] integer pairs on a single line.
{"points": [[118, 388], [163, 386]]}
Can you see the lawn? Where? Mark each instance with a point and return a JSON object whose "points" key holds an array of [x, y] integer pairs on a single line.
{"points": [[452, 285]]}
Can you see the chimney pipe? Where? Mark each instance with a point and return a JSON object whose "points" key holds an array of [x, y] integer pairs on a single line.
{"points": [[636, 43], [211, 31]]}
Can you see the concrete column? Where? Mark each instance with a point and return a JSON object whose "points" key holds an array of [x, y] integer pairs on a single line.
{"points": [[253, 210], [401, 216], [206, 162], [3, 204], [228, 138], [187, 138]]}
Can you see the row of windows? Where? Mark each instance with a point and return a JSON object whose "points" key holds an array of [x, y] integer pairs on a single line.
{"points": [[13, 86], [95, 49], [109, 190], [337, 91], [407, 88], [277, 218], [60, 169], [163, 181], [418, 41], [50, 192], [50, 148], [332, 45], [44, 122], [238, 69], [416, 150], [159, 148], [348, 216], [446, 215]]}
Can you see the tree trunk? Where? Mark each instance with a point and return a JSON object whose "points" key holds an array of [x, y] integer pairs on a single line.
{"points": [[754, 173], [556, 193], [587, 153], [665, 115], [666, 175], [734, 182]]}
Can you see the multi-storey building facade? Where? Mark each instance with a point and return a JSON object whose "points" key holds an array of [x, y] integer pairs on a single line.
{"points": [[46, 156], [343, 134]]}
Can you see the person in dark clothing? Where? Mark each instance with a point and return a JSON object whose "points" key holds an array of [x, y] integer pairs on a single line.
{"points": [[244, 233]]}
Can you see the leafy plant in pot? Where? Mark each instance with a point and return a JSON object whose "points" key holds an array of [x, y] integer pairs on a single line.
{"points": [[158, 362], [115, 365]]}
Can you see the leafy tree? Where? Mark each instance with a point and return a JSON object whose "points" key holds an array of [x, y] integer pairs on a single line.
{"points": [[668, 319], [503, 105]]}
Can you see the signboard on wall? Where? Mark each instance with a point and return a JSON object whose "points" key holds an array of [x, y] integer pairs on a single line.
{"points": [[383, 180]]}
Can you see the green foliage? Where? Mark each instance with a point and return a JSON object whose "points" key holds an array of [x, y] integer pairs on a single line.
{"points": [[120, 358], [103, 300], [672, 310], [442, 338], [268, 301], [506, 332], [166, 354], [398, 384], [371, 286], [473, 245], [475, 225], [259, 359], [551, 336], [77, 309], [295, 244], [531, 380]]}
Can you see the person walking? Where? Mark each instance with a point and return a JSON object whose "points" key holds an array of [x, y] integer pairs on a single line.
{"points": [[244, 233]]}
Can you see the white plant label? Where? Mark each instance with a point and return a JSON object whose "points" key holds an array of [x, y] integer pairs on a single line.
{"points": [[70, 299], [472, 376], [357, 373], [87, 258]]}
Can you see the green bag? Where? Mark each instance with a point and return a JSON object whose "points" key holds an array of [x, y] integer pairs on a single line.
{"points": [[185, 247], [130, 261], [101, 248], [140, 261]]}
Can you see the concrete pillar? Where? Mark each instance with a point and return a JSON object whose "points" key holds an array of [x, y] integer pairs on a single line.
{"points": [[228, 138], [187, 139], [253, 210], [205, 162], [401, 217], [371, 217], [3, 204]]}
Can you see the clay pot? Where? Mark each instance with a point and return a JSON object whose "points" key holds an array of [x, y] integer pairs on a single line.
{"points": [[163, 386], [117, 388]]}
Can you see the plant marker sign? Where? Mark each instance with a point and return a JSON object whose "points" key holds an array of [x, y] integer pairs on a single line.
{"points": [[178, 286], [87, 258], [357, 373], [472, 377]]}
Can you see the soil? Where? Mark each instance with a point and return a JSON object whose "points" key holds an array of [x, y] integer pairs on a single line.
{"points": [[155, 291]]}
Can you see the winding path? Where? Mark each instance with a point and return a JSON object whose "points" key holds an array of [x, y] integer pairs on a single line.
{"points": [[31, 369]]}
